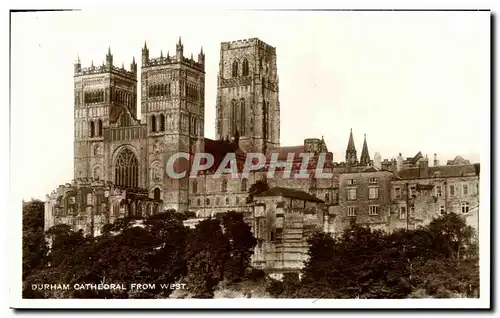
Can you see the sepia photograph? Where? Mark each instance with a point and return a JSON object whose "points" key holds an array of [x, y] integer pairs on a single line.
{"points": [[206, 158]]}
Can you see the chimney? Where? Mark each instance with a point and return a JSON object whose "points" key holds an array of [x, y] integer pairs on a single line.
{"points": [[399, 162], [377, 161], [436, 162], [424, 167]]}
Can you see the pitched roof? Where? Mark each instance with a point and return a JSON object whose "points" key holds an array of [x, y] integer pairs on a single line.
{"points": [[284, 151], [441, 172], [289, 193]]}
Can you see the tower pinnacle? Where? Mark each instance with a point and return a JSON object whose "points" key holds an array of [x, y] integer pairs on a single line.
{"points": [[351, 157]]}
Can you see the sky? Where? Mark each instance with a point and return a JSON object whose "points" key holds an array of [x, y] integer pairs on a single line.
{"points": [[410, 81]]}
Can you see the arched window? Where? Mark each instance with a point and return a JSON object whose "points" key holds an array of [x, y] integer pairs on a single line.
{"points": [[92, 129], [162, 122], [198, 202], [234, 116], [227, 201], [208, 201], [244, 184], [127, 169], [224, 185], [157, 194], [153, 123], [195, 187], [245, 67], [99, 127], [241, 128], [235, 69], [327, 198]]}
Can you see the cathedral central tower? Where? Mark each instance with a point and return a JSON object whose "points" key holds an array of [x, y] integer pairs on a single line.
{"points": [[247, 95]]}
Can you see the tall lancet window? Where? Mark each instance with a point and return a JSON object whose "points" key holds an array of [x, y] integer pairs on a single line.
{"points": [[245, 67], [234, 116], [234, 70], [127, 169], [265, 120], [241, 128]]}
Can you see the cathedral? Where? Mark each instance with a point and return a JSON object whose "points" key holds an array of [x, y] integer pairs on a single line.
{"points": [[120, 159]]}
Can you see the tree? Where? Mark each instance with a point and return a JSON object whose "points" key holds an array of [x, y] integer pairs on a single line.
{"points": [[207, 251], [34, 244], [241, 244], [258, 187]]}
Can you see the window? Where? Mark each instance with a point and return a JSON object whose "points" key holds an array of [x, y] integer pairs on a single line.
{"points": [[373, 210], [245, 67], [412, 211], [452, 190], [198, 202], [439, 191], [157, 194], [373, 193], [227, 201], [441, 209], [351, 181], [89, 198], [92, 129], [372, 180], [465, 207], [99, 127], [465, 189], [195, 186], [217, 201], [153, 123], [208, 201], [402, 212], [327, 198], [224, 185], [413, 191], [397, 192], [127, 169], [351, 211], [271, 236], [235, 69], [351, 194], [162, 122]]}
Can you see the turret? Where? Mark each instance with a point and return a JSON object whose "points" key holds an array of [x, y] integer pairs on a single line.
{"points": [[201, 56], [133, 66], [399, 162], [109, 58], [145, 55], [78, 65], [179, 50], [436, 162]]}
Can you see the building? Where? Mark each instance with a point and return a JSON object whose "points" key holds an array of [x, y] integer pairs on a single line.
{"points": [[283, 220], [120, 157]]}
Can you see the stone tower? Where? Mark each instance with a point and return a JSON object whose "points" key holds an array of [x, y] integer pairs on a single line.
{"points": [[101, 94], [248, 95], [351, 157], [173, 105]]}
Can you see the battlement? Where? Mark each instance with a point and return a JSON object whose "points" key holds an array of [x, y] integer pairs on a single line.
{"points": [[248, 42], [106, 69], [169, 60]]}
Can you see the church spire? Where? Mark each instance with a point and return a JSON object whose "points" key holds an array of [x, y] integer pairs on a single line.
{"points": [[365, 156], [351, 157]]}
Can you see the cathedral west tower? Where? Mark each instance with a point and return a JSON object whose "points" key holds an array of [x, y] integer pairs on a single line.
{"points": [[248, 95]]}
